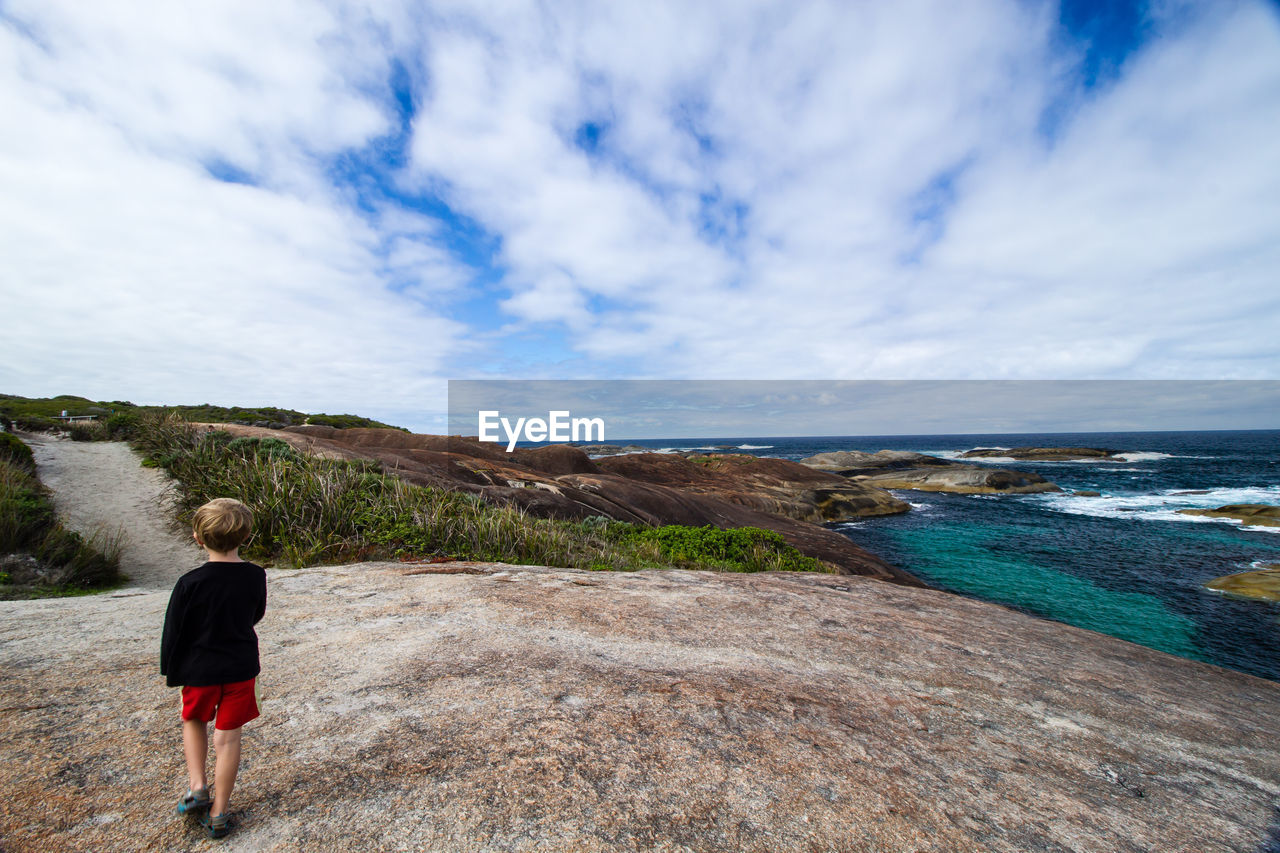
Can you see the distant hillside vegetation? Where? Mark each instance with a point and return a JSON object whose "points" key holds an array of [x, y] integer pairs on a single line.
{"points": [[39, 413]]}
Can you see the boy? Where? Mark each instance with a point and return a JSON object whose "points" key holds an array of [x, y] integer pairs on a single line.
{"points": [[209, 648]]}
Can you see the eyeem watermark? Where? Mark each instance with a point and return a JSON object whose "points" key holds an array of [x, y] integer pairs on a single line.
{"points": [[558, 426]]}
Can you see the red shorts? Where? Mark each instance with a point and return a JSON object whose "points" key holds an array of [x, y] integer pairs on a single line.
{"points": [[229, 705]]}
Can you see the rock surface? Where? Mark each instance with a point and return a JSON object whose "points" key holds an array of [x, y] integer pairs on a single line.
{"points": [[964, 481], [1260, 514], [508, 708], [900, 469], [479, 707], [1043, 454], [1261, 585], [649, 488]]}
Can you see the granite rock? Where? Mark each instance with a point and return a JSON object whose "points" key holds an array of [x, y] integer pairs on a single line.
{"points": [[1041, 454], [476, 707], [1259, 514]]}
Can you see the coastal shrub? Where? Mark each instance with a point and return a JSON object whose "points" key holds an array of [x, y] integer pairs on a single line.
{"points": [[268, 448], [15, 451], [35, 423], [91, 431], [309, 510], [743, 549], [120, 426], [348, 422], [58, 561]]}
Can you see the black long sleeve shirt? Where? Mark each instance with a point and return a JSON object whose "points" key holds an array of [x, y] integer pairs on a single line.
{"points": [[208, 629]]}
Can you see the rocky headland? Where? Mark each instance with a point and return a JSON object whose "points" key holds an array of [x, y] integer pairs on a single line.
{"points": [[560, 481], [900, 469]]}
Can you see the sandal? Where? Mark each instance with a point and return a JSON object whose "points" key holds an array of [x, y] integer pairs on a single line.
{"points": [[217, 825], [193, 802]]}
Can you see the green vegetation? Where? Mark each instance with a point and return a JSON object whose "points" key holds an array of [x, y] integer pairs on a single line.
{"points": [[116, 419], [14, 451], [41, 556], [309, 510], [741, 549]]}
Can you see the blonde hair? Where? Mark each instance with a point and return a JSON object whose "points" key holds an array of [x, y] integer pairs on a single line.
{"points": [[223, 524]]}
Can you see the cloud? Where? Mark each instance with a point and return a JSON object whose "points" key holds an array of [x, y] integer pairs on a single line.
{"points": [[333, 205], [133, 271], [1103, 251]]}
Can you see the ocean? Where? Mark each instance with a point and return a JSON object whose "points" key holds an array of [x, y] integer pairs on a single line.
{"points": [[1125, 563]]}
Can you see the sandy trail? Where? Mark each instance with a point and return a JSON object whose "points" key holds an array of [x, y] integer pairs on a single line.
{"points": [[103, 486]]}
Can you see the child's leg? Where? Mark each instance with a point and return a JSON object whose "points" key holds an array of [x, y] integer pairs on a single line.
{"points": [[226, 744], [195, 745]]}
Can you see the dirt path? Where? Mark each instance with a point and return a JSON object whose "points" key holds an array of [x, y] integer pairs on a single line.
{"points": [[102, 485]]}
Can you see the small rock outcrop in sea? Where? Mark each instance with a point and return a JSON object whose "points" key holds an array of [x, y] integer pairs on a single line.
{"points": [[594, 450], [1262, 585], [899, 469], [1041, 454], [1260, 514]]}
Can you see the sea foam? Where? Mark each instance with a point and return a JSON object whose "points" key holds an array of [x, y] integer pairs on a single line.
{"points": [[1164, 505]]}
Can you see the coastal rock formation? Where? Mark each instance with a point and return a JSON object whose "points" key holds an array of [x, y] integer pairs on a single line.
{"points": [[770, 485], [854, 463], [964, 481], [1260, 514], [1262, 585], [594, 450], [1041, 454], [899, 469], [463, 707], [560, 481]]}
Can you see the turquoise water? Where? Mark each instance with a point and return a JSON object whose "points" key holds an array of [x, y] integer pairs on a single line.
{"points": [[970, 559], [1125, 563]]}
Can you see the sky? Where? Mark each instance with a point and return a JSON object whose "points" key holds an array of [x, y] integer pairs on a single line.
{"points": [[761, 408], [339, 207]]}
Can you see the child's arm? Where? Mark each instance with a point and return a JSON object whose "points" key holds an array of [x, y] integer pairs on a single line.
{"points": [[172, 629], [262, 600]]}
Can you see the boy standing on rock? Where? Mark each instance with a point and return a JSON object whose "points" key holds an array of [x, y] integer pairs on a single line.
{"points": [[209, 648]]}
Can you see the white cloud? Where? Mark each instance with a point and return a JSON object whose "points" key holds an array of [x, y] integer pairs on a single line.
{"points": [[132, 272], [1098, 255], [769, 190]]}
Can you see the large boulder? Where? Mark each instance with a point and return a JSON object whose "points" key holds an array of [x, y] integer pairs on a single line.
{"points": [[964, 481], [768, 485], [1040, 454], [851, 463], [1260, 585], [1260, 514], [901, 469]]}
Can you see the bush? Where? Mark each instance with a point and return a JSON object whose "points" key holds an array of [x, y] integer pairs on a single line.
{"points": [[35, 423], [120, 426], [15, 451], [739, 549], [91, 431]]}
